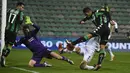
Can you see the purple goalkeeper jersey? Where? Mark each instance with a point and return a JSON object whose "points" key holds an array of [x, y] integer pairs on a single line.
{"points": [[32, 42]]}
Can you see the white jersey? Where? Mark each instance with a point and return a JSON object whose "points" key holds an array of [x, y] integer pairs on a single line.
{"points": [[88, 49]]}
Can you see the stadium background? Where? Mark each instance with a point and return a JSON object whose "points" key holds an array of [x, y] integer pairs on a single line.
{"points": [[60, 18]]}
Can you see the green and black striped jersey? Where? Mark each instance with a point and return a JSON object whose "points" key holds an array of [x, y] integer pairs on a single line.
{"points": [[15, 18], [98, 18]]}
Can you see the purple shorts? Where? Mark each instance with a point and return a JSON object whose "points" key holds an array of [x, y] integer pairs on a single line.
{"points": [[39, 55]]}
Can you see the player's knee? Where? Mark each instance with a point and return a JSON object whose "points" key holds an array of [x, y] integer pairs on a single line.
{"points": [[31, 63]]}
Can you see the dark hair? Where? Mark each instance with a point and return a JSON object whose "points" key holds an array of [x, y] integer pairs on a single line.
{"points": [[20, 3], [86, 9]]}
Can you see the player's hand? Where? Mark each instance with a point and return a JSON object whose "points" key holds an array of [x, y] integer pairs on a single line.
{"points": [[116, 30], [28, 20], [82, 22]]}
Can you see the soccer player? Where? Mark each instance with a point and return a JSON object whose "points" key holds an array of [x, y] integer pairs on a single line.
{"points": [[15, 17], [87, 50], [113, 26], [101, 20], [39, 51]]}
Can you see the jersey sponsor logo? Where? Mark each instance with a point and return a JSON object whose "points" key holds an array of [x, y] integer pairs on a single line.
{"points": [[115, 45]]}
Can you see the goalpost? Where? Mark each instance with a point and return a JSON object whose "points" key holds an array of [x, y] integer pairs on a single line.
{"points": [[3, 24]]}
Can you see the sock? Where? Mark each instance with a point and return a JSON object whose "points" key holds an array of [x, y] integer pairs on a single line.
{"points": [[88, 67], [110, 51], [81, 39], [65, 59], [6, 52], [39, 65], [101, 57]]}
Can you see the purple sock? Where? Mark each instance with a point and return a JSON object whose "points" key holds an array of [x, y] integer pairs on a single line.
{"points": [[39, 65], [64, 58]]}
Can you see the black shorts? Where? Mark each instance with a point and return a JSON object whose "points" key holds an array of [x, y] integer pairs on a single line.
{"points": [[104, 33], [10, 37]]}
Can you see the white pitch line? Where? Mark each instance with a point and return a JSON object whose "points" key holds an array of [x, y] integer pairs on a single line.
{"points": [[22, 69]]}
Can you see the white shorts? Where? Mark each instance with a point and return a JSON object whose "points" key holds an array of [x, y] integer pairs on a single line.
{"points": [[87, 52]]}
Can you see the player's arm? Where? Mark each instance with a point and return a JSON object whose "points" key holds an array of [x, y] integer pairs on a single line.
{"points": [[37, 28], [106, 9], [21, 17], [83, 20], [29, 22], [19, 42], [116, 27]]}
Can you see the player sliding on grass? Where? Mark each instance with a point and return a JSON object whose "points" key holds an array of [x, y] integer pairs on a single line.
{"points": [[87, 50], [39, 51]]}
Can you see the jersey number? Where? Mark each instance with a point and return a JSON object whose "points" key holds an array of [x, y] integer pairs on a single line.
{"points": [[12, 16]]}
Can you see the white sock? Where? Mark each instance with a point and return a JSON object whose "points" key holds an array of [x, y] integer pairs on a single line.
{"points": [[110, 52], [88, 67]]}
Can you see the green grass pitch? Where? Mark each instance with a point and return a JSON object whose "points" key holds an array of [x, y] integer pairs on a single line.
{"points": [[20, 58]]}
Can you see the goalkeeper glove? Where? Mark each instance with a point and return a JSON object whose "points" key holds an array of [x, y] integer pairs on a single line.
{"points": [[28, 20], [116, 30]]}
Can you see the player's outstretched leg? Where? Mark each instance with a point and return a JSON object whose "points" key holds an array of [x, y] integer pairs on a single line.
{"points": [[57, 56], [36, 63]]}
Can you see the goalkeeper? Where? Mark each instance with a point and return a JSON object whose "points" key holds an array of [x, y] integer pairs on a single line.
{"points": [[39, 51]]}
